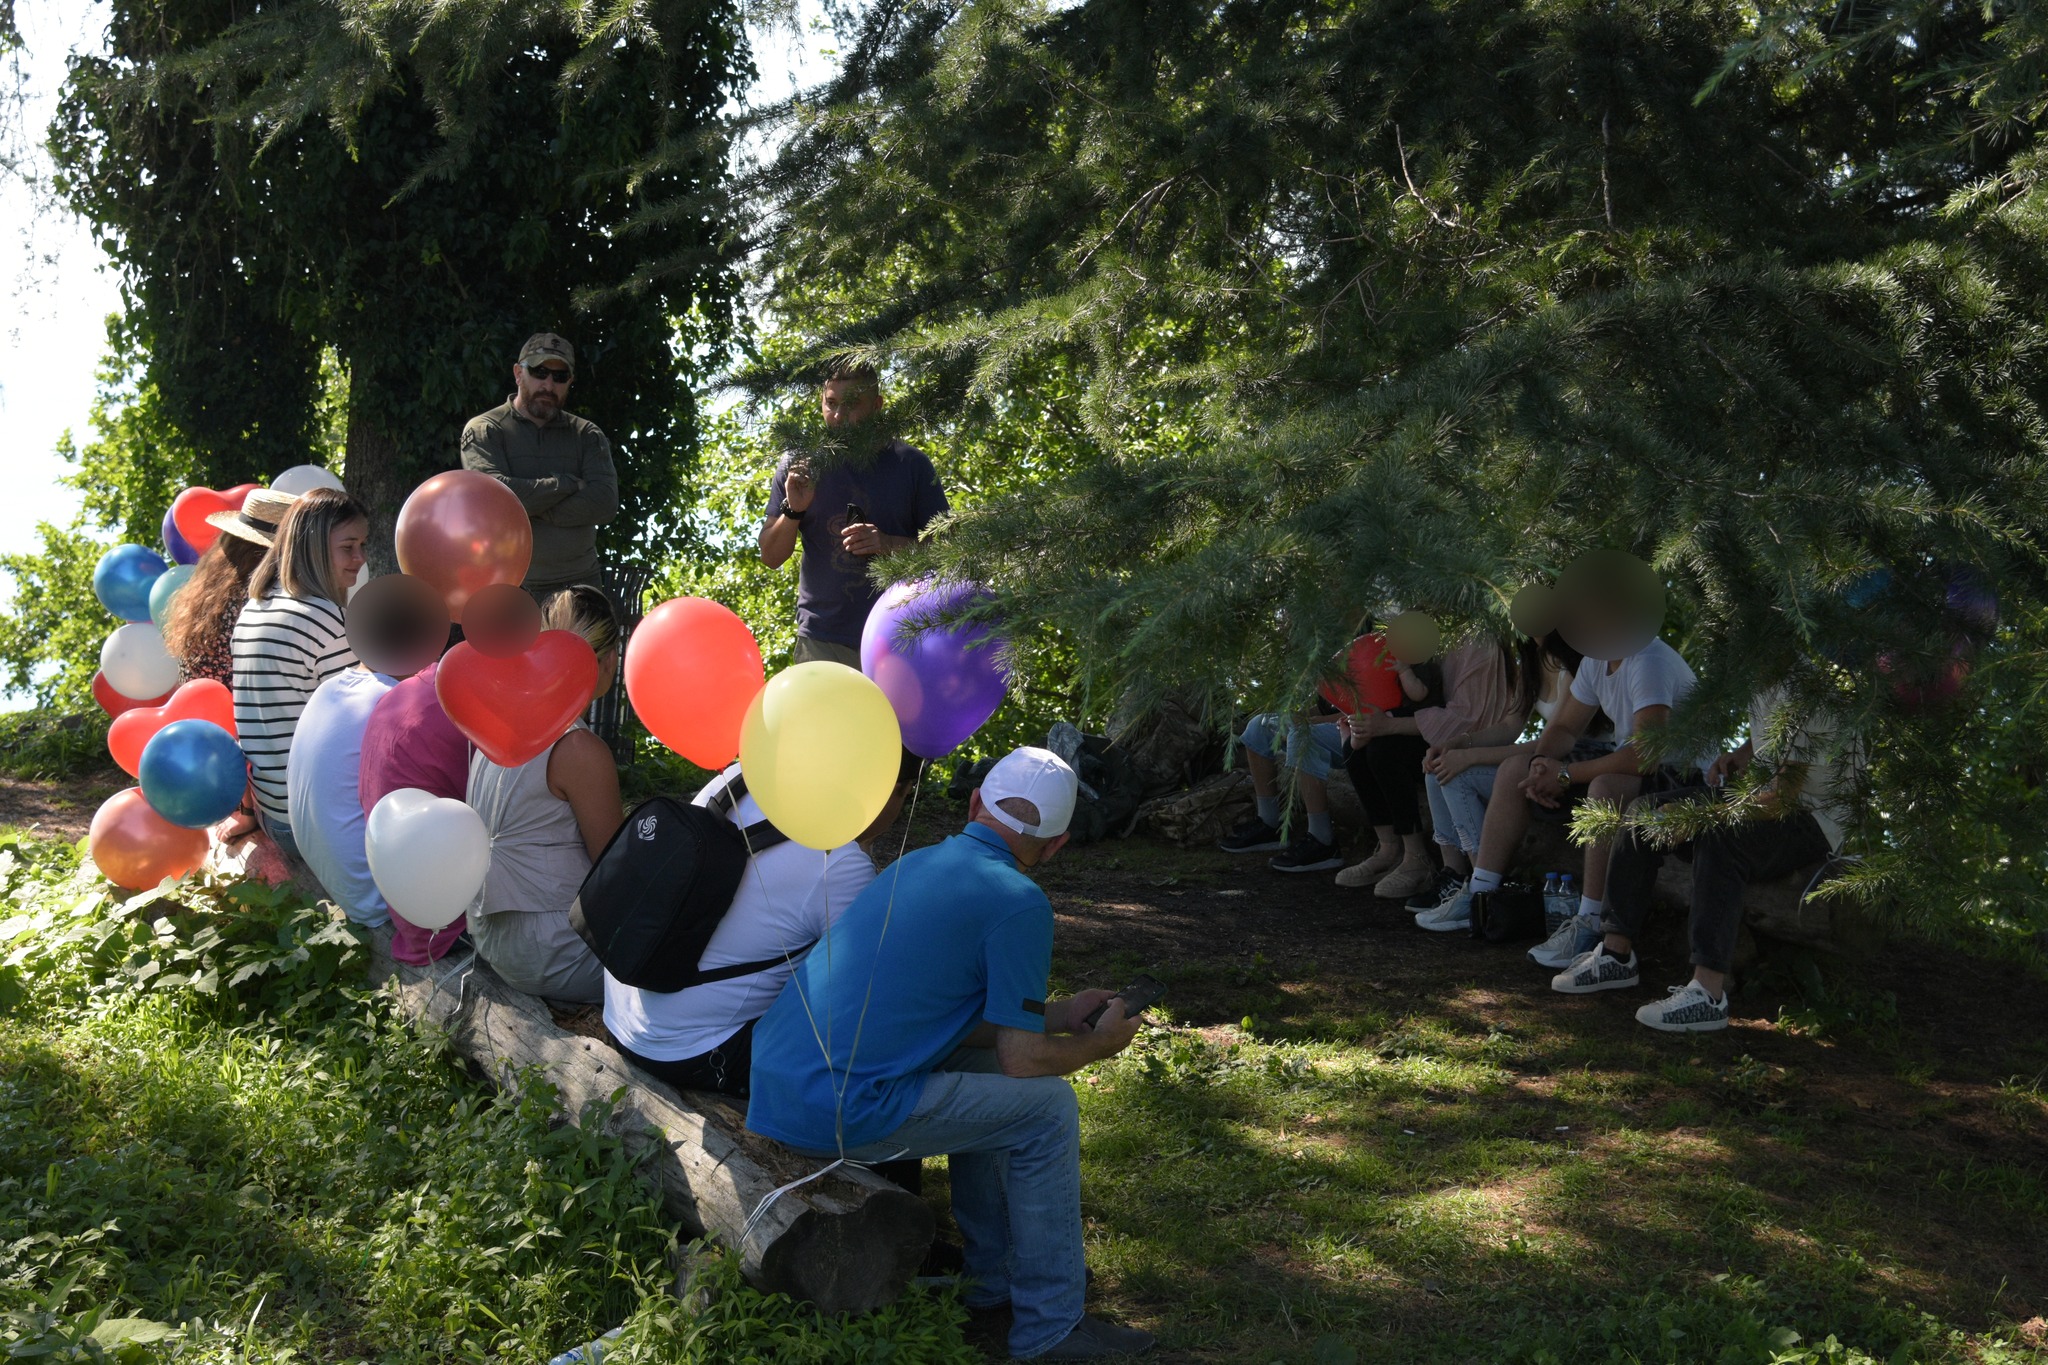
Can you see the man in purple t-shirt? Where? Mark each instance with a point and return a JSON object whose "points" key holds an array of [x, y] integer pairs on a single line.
{"points": [[845, 517]]}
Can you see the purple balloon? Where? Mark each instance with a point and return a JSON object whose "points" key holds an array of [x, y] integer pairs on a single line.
{"points": [[944, 681], [179, 548]]}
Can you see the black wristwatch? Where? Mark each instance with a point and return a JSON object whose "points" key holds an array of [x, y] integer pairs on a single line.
{"points": [[792, 515]]}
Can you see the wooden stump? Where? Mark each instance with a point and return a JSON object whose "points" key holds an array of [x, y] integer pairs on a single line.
{"points": [[848, 1242]]}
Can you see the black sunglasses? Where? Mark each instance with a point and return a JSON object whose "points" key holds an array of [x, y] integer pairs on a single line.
{"points": [[548, 372]]}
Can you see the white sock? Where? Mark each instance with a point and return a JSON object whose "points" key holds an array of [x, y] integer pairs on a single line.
{"points": [[1319, 827], [1482, 880], [1590, 908], [1269, 810]]}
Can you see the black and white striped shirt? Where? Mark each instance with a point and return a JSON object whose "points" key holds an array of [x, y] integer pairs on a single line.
{"points": [[284, 647]]}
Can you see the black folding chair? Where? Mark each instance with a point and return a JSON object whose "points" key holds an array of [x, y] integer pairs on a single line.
{"points": [[627, 585]]}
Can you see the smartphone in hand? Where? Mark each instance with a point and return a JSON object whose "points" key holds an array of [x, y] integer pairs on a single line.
{"points": [[1141, 995], [856, 515]]}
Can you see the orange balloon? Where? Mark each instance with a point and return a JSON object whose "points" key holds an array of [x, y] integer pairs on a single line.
{"points": [[461, 531], [200, 699], [135, 847], [691, 668]]}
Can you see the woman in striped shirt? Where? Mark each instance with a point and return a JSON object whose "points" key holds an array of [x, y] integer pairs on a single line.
{"points": [[290, 638]]}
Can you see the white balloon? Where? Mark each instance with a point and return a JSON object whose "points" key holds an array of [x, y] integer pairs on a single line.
{"points": [[304, 478], [136, 664], [428, 855]]}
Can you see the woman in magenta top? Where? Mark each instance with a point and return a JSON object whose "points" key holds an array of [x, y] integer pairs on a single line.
{"points": [[410, 742]]}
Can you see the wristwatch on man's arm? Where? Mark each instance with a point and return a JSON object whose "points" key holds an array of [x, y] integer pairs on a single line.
{"points": [[1564, 776]]}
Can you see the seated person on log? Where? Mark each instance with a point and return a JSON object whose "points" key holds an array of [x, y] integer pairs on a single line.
{"points": [[1458, 773], [1483, 691], [1637, 691], [931, 993], [702, 1037], [324, 775], [1790, 822], [410, 742], [290, 637], [1310, 743], [548, 820]]}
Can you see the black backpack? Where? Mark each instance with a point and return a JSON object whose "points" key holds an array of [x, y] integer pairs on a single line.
{"points": [[656, 894]]}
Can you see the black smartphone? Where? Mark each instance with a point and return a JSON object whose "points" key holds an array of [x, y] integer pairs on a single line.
{"points": [[855, 514], [1141, 995]]}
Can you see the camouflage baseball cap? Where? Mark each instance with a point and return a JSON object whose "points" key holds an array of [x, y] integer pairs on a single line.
{"points": [[542, 347]]}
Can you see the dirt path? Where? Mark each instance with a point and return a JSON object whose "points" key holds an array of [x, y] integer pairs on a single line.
{"points": [[61, 809]]}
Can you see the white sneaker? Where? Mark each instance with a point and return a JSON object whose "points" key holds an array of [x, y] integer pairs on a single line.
{"points": [[1687, 1009], [1576, 936], [1597, 970], [1454, 913]]}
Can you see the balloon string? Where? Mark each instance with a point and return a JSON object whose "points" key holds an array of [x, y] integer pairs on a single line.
{"points": [[895, 876]]}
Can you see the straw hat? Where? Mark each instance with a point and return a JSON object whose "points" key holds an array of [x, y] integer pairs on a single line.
{"points": [[258, 519]]}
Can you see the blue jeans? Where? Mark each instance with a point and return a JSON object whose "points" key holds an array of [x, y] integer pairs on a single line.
{"points": [[280, 834], [1014, 1149], [1458, 807], [1313, 749]]}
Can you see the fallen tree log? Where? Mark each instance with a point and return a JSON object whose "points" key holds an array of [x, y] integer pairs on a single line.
{"points": [[848, 1242]]}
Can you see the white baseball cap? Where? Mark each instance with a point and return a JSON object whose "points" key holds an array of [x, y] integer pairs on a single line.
{"points": [[1039, 776]]}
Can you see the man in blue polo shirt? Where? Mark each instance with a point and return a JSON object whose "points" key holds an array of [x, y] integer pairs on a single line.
{"points": [[932, 990]]}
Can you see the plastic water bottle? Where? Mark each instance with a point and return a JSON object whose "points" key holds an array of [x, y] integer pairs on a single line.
{"points": [[1564, 905], [1550, 882]]}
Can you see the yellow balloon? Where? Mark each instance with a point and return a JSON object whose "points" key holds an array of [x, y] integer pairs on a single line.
{"points": [[820, 746]]}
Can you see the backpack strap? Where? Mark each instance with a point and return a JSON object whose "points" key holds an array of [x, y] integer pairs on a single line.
{"points": [[762, 834], [739, 969]]}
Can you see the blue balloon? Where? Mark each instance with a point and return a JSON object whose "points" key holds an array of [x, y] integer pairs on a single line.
{"points": [[193, 773], [123, 578], [175, 544]]}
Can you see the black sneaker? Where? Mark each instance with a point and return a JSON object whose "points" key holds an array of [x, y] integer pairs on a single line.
{"points": [[1448, 885], [1094, 1339], [1306, 853], [1251, 835]]}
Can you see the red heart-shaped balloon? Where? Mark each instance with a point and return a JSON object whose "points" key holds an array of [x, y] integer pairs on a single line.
{"points": [[239, 494], [515, 709], [190, 511], [113, 703], [200, 699]]}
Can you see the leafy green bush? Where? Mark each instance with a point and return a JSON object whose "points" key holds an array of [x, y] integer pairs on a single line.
{"points": [[44, 747]]}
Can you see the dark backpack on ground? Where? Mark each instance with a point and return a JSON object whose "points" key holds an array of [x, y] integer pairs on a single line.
{"points": [[1509, 915], [656, 894]]}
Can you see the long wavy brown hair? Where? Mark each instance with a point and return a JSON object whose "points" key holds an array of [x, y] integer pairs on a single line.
{"points": [[204, 609]]}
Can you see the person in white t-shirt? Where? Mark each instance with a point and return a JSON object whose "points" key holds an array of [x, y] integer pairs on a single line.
{"points": [[701, 1037], [1795, 823], [1636, 693]]}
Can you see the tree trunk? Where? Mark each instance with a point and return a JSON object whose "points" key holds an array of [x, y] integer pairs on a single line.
{"points": [[848, 1243], [374, 469]]}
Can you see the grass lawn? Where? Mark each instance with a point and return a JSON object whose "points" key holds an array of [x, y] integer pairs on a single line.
{"points": [[1357, 1140], [1348, 1140]]}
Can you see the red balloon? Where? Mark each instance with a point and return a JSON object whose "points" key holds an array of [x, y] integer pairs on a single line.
{"points": [[135, 847], [515, 709], [692, 667], [1372, 681], [190, 511], [461, 531], [200, 699], [239, 494], [115, 704]]}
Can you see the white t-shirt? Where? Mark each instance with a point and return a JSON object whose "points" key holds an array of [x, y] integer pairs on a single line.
{"points": [[1653, 676], [1829, 774], [789, 897], [322, 775]]}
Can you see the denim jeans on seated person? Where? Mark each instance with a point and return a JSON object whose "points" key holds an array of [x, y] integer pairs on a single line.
{"points": [[1458, 807], [1314, 749], [280, 834], [1014, 1148]]}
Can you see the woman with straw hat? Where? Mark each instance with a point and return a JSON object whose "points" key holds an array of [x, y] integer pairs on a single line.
{"points": [[199, 633]]}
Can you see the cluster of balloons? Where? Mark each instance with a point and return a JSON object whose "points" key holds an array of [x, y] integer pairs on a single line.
{"points": [[464, 544], [178, 742], [820, 742]]}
